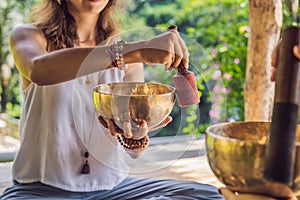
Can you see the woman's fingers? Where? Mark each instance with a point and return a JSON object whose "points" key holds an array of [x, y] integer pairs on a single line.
{"points": [[273, 75], [275, 54], [168, 49], [274, 61], [296, 51], [127, 130], [180, 49], [142, 131], [102, 121], [114, 129], [178, 56], [162, 124]]}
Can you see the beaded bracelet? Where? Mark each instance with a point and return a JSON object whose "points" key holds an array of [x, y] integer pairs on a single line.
{"points": [[132, 144], [116, 54]]}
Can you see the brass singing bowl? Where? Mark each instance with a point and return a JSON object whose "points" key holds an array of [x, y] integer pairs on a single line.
{"points": [[134, 102], [236, 155]]}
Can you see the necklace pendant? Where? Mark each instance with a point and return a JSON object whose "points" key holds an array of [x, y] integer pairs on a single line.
{"points": [[86, 168], [87, 81]]}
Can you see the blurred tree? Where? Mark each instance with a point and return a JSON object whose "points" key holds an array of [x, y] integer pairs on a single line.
{"points": [[11, 13], [265, 21], [220, 27], [216, 33]]}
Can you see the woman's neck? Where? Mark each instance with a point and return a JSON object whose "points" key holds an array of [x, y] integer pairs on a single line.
{"points": [[86, 30], [87, 43]]}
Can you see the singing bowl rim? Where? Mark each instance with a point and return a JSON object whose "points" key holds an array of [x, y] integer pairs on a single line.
{"points": [[264, 186], [172, 89], [232, 139]]}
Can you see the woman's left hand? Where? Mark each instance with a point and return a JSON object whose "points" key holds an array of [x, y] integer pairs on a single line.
{"points": [[128, 132], [142, 132]]}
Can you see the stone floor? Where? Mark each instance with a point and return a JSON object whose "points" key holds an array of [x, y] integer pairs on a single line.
{"points": [[184, 159], [180, 157]]}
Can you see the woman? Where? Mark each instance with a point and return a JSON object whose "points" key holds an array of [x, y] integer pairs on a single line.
{"points": [[64, 154]]}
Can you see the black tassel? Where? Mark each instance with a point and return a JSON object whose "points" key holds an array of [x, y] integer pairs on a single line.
{"points": [[86, 167]]}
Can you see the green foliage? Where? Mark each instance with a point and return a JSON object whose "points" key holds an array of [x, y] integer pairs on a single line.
{"points": [[221, 28], [287, 17], [14, 95], [216, 34], [11, 13]]}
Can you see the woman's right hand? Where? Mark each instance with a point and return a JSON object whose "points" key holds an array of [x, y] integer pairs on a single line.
{"points": [[296, 52], [168, 49]]}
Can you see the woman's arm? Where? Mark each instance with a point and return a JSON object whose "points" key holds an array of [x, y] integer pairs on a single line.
{"points": [[134, 73], [35, 64], [28, 46]]}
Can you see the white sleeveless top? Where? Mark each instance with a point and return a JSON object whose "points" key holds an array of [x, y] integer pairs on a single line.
{"points": [[57, 123]]}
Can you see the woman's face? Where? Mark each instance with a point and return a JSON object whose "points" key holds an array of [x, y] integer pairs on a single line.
{"points": [[86, 6]]}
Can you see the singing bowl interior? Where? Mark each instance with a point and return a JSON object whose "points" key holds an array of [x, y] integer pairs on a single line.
{"points": [[134, 102], [236, 155]]}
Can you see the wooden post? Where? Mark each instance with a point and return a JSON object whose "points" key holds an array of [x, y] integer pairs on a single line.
{"points": [[265, 21]]}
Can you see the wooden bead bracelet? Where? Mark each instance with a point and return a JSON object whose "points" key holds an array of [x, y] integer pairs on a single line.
{"points": [[115, 52], [132, 144]]}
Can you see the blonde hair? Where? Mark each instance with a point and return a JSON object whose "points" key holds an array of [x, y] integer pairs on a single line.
{"points": [[59, 27]]}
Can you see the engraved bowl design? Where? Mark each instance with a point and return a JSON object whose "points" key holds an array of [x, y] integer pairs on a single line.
{"points": [[134, 102]]}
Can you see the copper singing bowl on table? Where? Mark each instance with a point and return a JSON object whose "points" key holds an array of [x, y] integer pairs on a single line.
{"points": [[134, 102], [236, 155]]}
